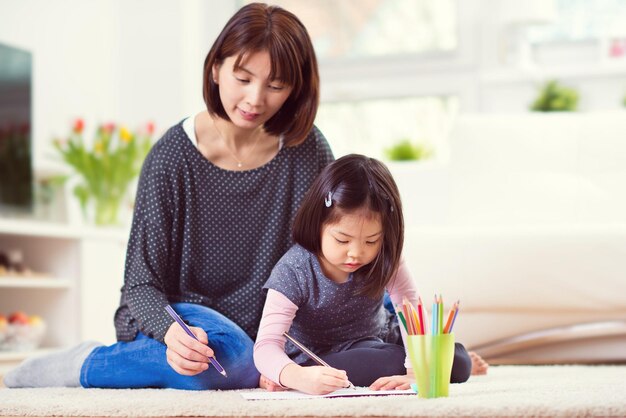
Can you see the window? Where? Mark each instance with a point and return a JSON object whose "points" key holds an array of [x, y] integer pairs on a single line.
{"points": [[370, 126], [579, 20], [375, 57], [362, 28]]}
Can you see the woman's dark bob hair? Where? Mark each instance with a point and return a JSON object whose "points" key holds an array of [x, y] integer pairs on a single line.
{"points": [[355, 183], [258, 27]]}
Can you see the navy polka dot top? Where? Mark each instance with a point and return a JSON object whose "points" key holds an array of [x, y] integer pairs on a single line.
{"points": [[205, 235]]}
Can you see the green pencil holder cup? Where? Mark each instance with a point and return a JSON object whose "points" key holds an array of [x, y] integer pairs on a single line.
{"points": [[431, 358]]}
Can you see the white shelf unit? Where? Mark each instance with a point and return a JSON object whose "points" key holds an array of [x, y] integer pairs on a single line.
{"points": [[18, 282], [76, 290]]}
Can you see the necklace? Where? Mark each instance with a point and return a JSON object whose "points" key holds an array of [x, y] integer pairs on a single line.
{"points": [[240, 161]]}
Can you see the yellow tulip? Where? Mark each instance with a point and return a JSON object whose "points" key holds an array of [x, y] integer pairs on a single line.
{"points": [[98, 147], [125, 134]]}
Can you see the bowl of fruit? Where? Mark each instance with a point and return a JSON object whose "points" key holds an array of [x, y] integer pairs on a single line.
{"points": [[20, 332]]}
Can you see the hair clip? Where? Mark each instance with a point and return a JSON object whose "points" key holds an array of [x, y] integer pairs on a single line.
{"points": [[389, 202], [328, 200]]}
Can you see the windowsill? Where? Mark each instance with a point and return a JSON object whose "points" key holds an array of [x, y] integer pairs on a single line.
{"points": [[613, 68]]}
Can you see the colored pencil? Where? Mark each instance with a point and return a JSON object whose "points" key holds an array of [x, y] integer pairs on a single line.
{"points": [[418, 325], [422, 317], [402, 320], [454, 317], [440, 313], [446, 329], [407, 315], [435, 327]]}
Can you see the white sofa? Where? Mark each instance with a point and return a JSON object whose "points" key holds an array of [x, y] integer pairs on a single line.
{"points": [[525, 223]]}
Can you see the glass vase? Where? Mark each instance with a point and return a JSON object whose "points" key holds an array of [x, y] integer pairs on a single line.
{"points": [[106, 210]]}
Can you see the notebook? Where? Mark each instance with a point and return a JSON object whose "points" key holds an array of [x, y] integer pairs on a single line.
{"points": [[258, 395]]}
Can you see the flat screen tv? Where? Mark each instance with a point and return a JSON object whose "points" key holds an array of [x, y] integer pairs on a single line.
{"points": [[16, 176]]}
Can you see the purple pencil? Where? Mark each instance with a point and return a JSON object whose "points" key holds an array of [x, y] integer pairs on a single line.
{"points": [[456, 312]]}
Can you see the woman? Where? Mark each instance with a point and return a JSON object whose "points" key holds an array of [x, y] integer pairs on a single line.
{"points": [[215, 202]]}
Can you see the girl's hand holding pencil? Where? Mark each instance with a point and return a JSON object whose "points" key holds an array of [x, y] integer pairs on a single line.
{"points": [[316, 380]]}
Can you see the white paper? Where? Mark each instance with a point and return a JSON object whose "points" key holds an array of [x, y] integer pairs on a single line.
{"points": [[294, 394]]}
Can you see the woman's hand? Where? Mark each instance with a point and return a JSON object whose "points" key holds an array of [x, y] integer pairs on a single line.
{"points": [[316, 380], [398, 382], [184, 354]]}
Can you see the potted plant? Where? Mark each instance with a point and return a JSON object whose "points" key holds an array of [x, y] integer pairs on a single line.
{"points": [[554, 97], [105, 167], [405, 150]]}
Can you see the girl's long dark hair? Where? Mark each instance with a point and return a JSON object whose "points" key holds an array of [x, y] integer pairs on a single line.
{"points": [[355, 182]]}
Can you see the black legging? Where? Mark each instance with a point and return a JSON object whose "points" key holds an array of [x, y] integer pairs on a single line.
{"points": [[366, 361]]}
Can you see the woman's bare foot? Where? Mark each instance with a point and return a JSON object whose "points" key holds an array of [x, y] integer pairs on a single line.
{"points": [[479, 366], [268, 385]]}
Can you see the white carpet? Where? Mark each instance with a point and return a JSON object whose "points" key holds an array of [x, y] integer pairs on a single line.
{"points": [[524, 391]]}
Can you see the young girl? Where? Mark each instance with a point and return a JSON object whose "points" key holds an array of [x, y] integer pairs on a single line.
{"points": [[327, 290]]}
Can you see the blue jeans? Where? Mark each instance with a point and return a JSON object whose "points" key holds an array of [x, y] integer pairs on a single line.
{"points": [[142, 363]]}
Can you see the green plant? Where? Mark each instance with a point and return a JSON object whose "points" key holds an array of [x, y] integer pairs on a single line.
{"points": [[106, 168], [555, 97], [404, 150]]}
